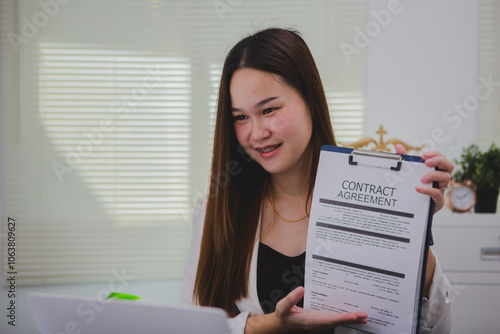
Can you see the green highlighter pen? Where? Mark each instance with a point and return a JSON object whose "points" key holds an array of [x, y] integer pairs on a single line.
{"points": [[118, 295]]}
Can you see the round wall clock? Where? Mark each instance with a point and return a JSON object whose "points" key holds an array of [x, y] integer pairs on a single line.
{"points": [[461, 197]]}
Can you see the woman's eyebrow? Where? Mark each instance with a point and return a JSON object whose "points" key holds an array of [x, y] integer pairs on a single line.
{"points": [[261, 103]]}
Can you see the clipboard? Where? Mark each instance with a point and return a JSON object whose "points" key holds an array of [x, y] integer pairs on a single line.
{"points": [[360, 163]]}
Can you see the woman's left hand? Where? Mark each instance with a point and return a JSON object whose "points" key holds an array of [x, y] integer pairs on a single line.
{"points": [[442, 175]]}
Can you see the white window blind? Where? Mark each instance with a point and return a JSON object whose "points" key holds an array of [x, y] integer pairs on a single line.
{"points": [[488, 119], [108, 127]]}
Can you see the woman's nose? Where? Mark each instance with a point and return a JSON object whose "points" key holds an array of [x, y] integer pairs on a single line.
{"points": [[259, 131]]}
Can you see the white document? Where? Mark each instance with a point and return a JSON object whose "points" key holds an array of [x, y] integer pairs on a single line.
{"points": [[367, 239]]}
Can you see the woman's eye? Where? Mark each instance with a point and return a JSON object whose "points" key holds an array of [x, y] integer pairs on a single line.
{"points": [[268, 110], [239, 117]]}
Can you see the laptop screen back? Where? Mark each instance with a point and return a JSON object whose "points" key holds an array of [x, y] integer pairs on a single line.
{"points": [[62, 314]]}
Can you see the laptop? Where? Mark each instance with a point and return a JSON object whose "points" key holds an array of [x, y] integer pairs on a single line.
{"points": [[61, 314]]}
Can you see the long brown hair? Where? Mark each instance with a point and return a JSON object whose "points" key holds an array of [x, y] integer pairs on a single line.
{"points": [[238, 183]]}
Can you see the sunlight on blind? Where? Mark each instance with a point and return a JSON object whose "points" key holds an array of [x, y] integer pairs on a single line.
{"points": [[347, 115], [215, 72], [121, 119]]}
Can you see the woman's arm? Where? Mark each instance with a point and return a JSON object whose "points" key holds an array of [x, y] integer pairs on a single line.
{"points": [[436, 309], [429, 272]]}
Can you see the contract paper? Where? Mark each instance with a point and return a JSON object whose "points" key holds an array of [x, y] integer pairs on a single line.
{"points": [[367, 240]]}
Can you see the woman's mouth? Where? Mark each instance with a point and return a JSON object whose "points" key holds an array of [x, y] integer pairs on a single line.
{"points": [[268, 150]]}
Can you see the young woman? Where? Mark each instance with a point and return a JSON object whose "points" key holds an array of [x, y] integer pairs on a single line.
{"points": [[249, 234]]}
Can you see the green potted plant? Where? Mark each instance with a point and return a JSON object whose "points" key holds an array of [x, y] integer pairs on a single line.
{"points": [[483, 170]]}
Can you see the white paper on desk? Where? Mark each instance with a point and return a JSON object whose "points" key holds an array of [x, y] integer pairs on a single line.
{"points": [[366, 242]]}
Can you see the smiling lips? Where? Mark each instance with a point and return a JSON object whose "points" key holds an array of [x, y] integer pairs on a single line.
{"points": [[268, 150]]}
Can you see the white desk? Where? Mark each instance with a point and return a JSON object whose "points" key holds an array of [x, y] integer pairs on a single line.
{"points": [[475, 276]]}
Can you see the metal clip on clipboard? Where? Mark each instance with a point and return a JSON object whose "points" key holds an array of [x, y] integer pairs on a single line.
{"points": [[375, 154], [382, 155]]}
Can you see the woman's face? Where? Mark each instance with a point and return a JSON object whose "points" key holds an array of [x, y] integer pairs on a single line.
{"points": [[271, 120]]}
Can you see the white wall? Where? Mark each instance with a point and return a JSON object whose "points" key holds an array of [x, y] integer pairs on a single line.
{"points": [[423, 62]]}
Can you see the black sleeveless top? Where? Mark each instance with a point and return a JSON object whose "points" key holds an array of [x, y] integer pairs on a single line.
{"points": [[277, 276]]}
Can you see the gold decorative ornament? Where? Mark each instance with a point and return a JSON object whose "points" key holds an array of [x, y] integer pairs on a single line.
{"points": [[381, 145]]}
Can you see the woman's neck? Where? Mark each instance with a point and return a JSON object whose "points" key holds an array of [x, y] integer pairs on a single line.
{"points": [[285, 213], [288, 186], [294, 183]]}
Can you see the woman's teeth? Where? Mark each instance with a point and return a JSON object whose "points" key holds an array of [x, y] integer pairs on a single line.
{"points": [[268, 148]]}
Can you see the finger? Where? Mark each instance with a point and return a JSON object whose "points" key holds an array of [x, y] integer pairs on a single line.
{"points": [[287, 303], [400, 149], [435, 194], [429, 154], [361, 317], [443, 178], [349, 318], [436, 159], [316, 321]]}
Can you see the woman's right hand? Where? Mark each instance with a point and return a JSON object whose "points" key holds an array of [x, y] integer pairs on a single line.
{"points": [[288, 317], [297, 318]]}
